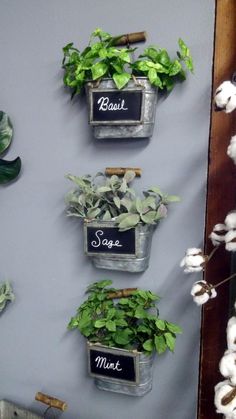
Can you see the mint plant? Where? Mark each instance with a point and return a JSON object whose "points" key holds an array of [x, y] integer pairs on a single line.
{"points": [[103, 59], [104, 198], [129, 322]]}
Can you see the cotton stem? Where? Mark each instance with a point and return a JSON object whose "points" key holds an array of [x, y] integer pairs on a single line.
{"points": [[224, 280]]}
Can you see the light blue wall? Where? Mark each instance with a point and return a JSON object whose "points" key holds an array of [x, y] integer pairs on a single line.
{"points": [[41, 250]]}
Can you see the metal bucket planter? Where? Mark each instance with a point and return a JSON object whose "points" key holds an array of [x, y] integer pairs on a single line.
{"points": [[9, 410], [120, 370], [126, 113], [111, 249]]}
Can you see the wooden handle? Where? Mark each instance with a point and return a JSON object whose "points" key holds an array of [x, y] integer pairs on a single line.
{"points": [[120, 171], [51, 401], [131, 38], [126, 292]]}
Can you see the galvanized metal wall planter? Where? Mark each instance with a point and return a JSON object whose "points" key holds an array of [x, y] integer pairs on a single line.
{"points": [[10, 410], [111, 249], [120, 370], [126, 113]]}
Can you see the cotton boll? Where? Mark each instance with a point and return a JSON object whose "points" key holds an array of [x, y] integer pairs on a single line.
{"points": [[202, 292], [193, 261], [231, 334], [230, 220], [192, 251], [227, 366], [217, 235], [192, 269], [231, 150], [225, 97], [231, 105], [230, 241], [223, 389]]}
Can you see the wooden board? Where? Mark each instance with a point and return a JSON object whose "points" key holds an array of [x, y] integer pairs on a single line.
{"points": [[221, 190]]}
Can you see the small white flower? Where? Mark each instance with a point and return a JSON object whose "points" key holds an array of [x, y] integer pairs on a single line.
{"points": [[230, 241], [202, 292], [231, 150], [230, 220], [223, 391], [228, 366], [193, 261], [231, 334], [217, 235], [225, 97]]}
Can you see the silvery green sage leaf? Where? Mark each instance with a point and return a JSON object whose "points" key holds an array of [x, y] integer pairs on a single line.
{"points": [[6, 294]]}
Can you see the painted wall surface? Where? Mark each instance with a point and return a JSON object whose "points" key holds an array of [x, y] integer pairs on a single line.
{"points": [[42, 250]]}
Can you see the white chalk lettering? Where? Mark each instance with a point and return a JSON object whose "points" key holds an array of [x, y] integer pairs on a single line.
{"points": [[104, 242], [102, 362], [106, 105]]}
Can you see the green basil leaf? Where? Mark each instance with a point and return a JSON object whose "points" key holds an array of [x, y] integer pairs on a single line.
{"points": [[160, 324], [164, 58], [121, 79], [99, 70], [148, 345], [170, 341], [174, 328], [160, 344], [175, 68], [100, 323], [152, 75]]}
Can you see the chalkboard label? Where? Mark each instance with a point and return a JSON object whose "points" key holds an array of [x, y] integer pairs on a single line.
{"points": [[102, 239], [113, 364], [116, 106]]}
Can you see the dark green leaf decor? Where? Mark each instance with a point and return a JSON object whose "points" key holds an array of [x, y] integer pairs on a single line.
{"points": [[9, 170]]}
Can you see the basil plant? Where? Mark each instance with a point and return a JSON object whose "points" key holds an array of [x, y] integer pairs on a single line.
{"points": [[102, 58]]}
